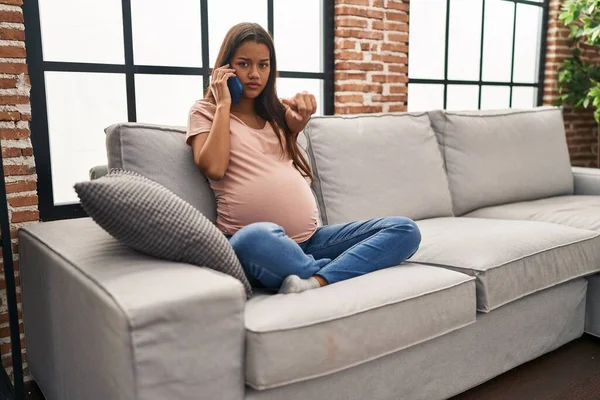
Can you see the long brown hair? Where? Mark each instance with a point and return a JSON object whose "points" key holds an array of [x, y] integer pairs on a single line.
{"points": [[267, 104]]}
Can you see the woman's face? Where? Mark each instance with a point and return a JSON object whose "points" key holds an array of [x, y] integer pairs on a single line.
{"points": [[251, 62]]}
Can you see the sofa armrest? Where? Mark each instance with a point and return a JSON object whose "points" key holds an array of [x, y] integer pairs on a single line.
{"points": [[586, 180], [98, 172], [105, 322]]}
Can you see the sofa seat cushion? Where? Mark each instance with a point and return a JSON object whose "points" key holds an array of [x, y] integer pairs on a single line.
{"points": [[296, 337], [509, 259], [576, 211]]}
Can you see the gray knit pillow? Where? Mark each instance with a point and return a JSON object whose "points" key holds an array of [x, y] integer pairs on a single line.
{"points": [[150, 218]]}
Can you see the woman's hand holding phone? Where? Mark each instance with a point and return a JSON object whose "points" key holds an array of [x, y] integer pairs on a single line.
{"points": [[219, 86]]}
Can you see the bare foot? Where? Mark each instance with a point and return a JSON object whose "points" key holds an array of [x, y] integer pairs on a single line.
{"points": [[321, 280]]}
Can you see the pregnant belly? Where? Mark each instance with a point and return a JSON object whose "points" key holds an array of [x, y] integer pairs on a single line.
{"points": [[281, 196]]}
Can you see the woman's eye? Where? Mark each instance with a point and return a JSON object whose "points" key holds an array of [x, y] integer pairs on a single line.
{"points": [[243, 64], [264, 65]]}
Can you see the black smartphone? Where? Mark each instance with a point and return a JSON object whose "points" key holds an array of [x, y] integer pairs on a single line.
{"points": [[235, 88]]}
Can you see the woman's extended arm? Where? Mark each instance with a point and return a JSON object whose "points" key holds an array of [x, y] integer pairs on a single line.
{"points": [[299, 109]]}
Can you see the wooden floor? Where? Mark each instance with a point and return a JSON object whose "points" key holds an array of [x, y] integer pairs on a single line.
{"points": [[569, 373]]}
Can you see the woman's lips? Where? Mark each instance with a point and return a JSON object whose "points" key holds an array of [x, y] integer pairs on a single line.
{"points": [[253, 85]]}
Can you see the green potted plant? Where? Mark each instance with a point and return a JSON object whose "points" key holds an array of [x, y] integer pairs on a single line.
{"points": [[579, 81]]}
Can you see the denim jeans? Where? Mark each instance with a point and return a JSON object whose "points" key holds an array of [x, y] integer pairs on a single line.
{"points": [[334, 252]]}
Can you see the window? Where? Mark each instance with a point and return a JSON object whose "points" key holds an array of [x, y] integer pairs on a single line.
{"points": [[476, 54], [96, 63]]}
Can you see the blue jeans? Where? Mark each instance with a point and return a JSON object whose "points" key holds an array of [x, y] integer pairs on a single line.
{"points": [[334, 252]]}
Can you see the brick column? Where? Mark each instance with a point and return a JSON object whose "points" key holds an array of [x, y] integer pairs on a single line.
{"points": [[19, 169], [371, 56], [582, 129]]}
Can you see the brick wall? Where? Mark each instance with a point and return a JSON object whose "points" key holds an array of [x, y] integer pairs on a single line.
{"points": [[19, 170], [371, 56], [582, 129]]}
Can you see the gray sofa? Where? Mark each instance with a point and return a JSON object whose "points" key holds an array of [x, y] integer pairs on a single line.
{"points": [[504, 274]]}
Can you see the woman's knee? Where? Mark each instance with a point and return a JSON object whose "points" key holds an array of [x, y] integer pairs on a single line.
{"points": [[409, 230], [252, 236]]}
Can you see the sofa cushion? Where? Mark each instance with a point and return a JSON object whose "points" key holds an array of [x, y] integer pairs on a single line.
{"points": [[576, 211], [377, 165], [509, 259], [295, 337], [160, 153], [149, 218], [503, 156]]}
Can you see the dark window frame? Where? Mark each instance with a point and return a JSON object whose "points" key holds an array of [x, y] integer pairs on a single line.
{"points": [[37, 67], [545, 5]]}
